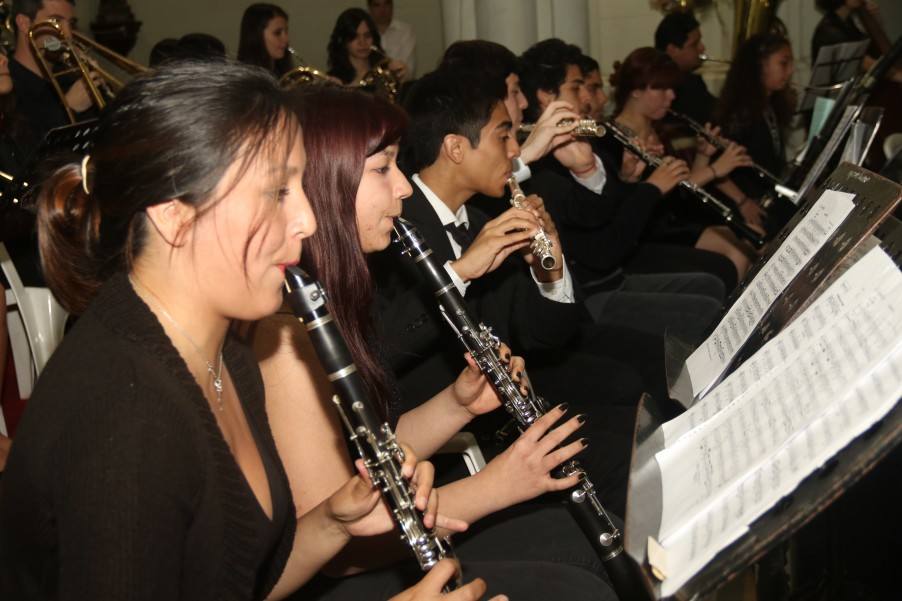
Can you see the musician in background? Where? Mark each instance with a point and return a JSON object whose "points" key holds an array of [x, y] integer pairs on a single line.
{"points": [[351, 48], [263, 40], [595, 87], [644, 90], [756, 106], [398, 37], [356, 190], [838, 26], [144, 466], [37, 100], [679, 36]]}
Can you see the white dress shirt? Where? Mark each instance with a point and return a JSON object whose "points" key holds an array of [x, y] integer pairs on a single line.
{"points": [[560, 291], [399, 42]]}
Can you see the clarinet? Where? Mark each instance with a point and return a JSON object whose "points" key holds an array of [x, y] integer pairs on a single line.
{"points": [[375, 441], [482, 344], [541, 245], [735, 222]]}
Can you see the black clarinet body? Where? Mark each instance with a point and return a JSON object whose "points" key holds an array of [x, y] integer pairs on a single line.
{"points": [[482, 344], [373, 438]]}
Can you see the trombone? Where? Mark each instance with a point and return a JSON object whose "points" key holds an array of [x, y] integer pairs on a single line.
{"points": [[50, 45]]}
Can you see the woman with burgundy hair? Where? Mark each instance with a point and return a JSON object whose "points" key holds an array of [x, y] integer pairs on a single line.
{"points": [[356, 191], [644, 85]]}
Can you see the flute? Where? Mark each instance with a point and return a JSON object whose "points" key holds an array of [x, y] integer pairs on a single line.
{"points": [[482, 344], [585, 128], [375, 441], [734, 221], [719, 144], [542, 246]]}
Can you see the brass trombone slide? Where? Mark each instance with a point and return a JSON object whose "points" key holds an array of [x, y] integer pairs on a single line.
{"points": [[51, 45]]}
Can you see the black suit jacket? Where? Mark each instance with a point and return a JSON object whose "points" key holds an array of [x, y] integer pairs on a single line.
{"points": [[420, 345]]}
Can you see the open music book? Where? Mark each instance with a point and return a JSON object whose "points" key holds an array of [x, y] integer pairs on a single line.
{"points": [[807, 393], [832, 225]]}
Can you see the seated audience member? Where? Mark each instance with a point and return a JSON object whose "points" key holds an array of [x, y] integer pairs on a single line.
{"points": [[397, 37], [144, 466], [679, 36], [356, 190], [263, 39], [355, 48]]}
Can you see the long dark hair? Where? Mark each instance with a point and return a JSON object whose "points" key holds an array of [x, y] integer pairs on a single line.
{"points": [[153, 144], [344, 31], [743, 97], [251, 47], [341, 129], [643, 68]]}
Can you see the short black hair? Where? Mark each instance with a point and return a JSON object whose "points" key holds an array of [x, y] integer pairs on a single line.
{"points": [[450, 100], [495, 60], [544, 67], [587, 64], [675, 29], [29, 8]]}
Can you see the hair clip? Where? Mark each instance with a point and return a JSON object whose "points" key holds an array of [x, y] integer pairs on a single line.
{"points": [[84, 173]]}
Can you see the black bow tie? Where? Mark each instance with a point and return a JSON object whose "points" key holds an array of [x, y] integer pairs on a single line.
{"points": [[461, 234]]}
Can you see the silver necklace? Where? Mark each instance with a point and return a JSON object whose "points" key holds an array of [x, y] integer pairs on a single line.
{"points": [[216, 374]]}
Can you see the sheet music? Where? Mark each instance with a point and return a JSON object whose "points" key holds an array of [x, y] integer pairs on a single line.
{"points": [[806, 394], [834, 64], [714, 355]]}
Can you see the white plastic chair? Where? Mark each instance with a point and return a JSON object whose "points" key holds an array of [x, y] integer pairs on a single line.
{"points": [[35, 321], [465, 444]]}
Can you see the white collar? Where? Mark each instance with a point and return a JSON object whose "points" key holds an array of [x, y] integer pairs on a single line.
{"points": [[441, 209]]}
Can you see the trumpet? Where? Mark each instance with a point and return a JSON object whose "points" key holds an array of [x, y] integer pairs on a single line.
{"points": [[542, 246], [707, 59], [51, 45], [720, 145], [585, 128]]}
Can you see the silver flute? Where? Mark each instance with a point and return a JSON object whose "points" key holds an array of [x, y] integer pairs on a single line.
{"points": [[542, 246], [376, 443], [729, 216], [478, 339], [720, 145], [585, 128]]}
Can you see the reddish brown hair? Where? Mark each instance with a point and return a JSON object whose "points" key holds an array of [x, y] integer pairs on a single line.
{"points": [[341, 129], [643, 68]]}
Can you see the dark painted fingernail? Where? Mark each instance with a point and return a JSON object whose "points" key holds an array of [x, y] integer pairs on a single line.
{"points": [[519, 375], [585, 441], [581, 418], [563, 407]]}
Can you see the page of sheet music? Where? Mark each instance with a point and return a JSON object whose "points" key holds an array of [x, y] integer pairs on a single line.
{"points": [[714, 355], [807, 393]]}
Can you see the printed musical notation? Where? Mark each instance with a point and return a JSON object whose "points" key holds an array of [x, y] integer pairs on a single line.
{"points": [[708, 363], [806, 394]]}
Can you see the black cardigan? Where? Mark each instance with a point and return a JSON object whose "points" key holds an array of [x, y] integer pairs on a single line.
{"points": [[120, 484]]}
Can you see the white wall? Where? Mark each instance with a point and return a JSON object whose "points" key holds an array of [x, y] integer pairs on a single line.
{"points": [[608, 29]]}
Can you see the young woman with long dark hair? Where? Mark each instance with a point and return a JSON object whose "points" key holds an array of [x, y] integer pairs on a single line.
{"points": [[756, 106], [355, 48], [356, 190], [263, 40], [144, 466]]}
